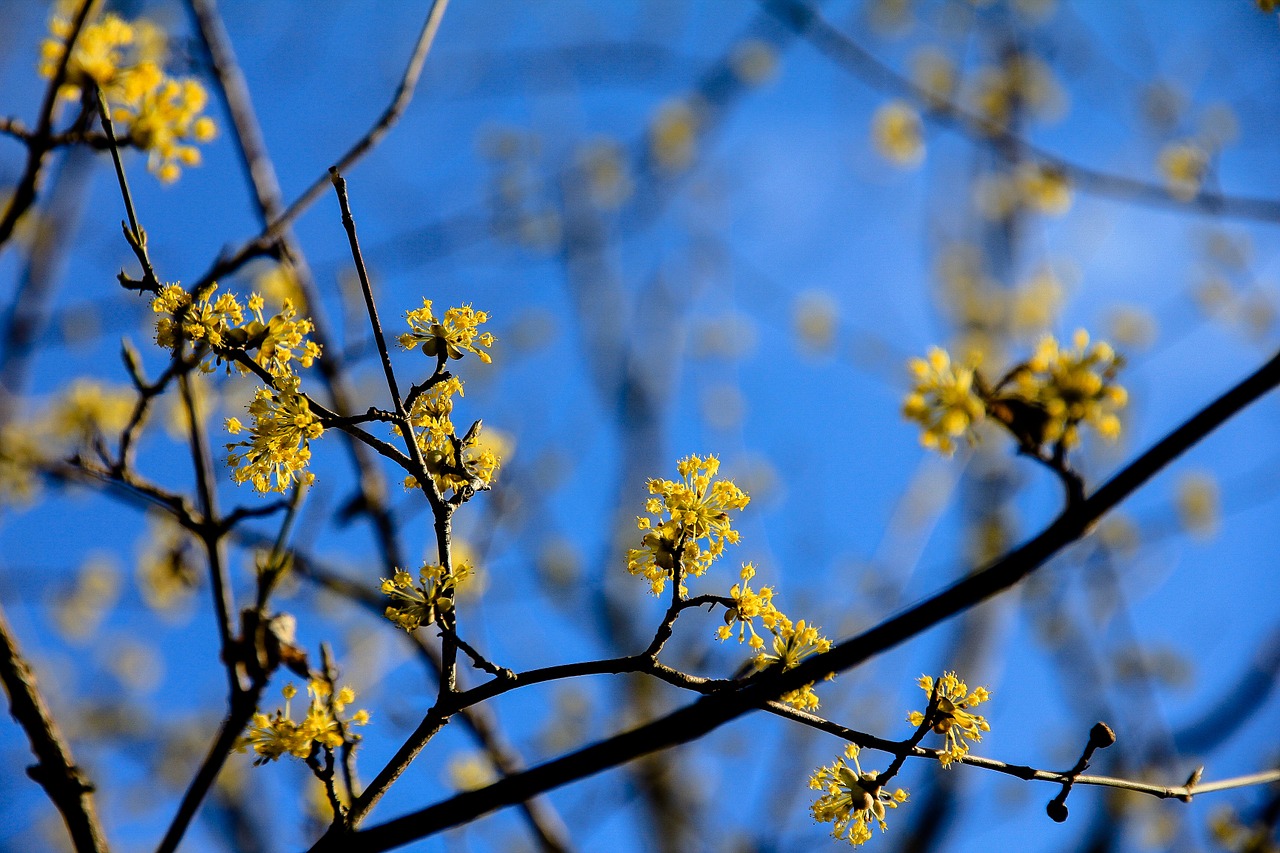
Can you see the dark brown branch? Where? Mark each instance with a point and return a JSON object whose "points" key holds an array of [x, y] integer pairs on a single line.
{"points": [[242, 706], [55, 771]]}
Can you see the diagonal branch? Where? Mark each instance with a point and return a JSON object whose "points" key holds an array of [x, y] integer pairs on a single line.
{"points": [[62, 780], [713, 711], [280, 224]]}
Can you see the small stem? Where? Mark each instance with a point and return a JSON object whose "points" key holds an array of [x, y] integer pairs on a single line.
{"points": [[136, 237]]}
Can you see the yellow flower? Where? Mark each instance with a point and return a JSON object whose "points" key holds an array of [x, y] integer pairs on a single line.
{"points": [[853, 800], [416, 605], [452, 335], [1199, 504], [119, 56], [271, 737], [219, 320], [944, 401], [793, 643], [749, 605], [470, 462], [1074, 386], [20, 456], [697, 526], [898, 133], [278, 450], [158, 114], [952, 717], [164, 121], [673, 135]]}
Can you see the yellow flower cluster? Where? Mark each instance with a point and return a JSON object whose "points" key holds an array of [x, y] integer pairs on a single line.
{"points": [[452, 335], [219, 320], [749, 605], [164, 122], [1022, 83], [416, 605], [1043, 400], [792, 643], [454, 463], [853, 800], [324, 725], [278, 451], [1074, 386], [673, 134], [89, 410], [85, 413], [158, 114], [697, 526], [1045, 188], [952, 717], [20, 454], [944, 401], [166, 571]]}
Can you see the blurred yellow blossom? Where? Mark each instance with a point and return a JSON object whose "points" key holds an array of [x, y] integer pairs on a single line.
{"points": [[1199, 504], [609, 181], [79, 613], [470, 771], [166, 571], [1045, 188], [943, 401], [89, 410], [934, 74], [325, 725], [673, 135], [816, 320], [754, 62], [898, 133], [1183, 166], [158, 114], [21, 454], [164, 122]]}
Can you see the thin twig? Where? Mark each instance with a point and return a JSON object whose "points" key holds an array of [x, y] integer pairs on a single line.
{"points": [[243, 705], [133, 232], [223, 603]]}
